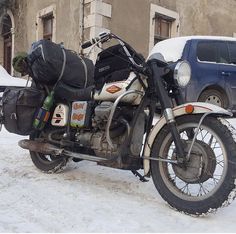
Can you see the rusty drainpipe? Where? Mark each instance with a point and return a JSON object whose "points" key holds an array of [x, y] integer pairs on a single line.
{"points": [[81, 24]]}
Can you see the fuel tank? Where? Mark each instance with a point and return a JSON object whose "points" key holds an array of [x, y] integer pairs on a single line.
{"points": [[111, 91]]}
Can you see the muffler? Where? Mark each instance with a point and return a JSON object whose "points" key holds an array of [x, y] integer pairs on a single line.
{"points": [[46, 148], [40, 147]]}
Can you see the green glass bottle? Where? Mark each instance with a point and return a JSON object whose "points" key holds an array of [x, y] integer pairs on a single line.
{"points": [[44, 112]]}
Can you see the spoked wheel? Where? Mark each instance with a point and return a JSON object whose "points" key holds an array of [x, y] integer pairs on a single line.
{"points": [[207, 180], [47, 163]]}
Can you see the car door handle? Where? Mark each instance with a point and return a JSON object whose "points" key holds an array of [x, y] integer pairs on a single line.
{"points": [[225, 73]]}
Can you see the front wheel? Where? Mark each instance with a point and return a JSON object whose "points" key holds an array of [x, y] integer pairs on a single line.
{"points": [[208, 180]]}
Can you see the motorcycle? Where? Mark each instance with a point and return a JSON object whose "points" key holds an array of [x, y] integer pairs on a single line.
{"points": [[190, 152]]}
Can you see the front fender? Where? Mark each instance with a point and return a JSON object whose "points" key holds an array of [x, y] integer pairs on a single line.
{"points": [[199, 108]]}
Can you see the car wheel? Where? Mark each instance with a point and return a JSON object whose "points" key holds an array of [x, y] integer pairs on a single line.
{"points": [[215, 97]]}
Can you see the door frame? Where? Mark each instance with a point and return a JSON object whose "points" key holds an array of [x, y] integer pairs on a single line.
{"points": [[10, 44]]}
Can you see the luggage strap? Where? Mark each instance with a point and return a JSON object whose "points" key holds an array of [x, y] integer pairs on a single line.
{"points": [[85, 71], [63, 67]]}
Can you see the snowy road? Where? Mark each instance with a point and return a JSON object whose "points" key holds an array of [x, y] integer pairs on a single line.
{"points": [[88, 198]]}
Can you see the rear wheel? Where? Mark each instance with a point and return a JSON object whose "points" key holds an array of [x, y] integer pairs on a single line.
{"points": [[215, 97], [208, 181], [47, 163]]}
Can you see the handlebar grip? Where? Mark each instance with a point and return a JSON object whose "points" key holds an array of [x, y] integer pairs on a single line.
{"points": [[86, 44]]}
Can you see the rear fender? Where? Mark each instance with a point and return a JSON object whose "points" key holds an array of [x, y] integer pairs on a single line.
{"points": [[199, 108]]}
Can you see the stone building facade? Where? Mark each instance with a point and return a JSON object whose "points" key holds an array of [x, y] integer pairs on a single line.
{"points": [[139, 22]]}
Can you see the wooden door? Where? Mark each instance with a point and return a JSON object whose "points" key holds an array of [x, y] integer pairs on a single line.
{"points": [[7, 54]]}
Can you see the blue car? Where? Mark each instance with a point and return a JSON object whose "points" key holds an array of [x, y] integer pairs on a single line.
{"points": [[213, 64]]}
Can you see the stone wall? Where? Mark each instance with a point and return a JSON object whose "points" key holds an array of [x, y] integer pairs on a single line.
{"points": [[207, 17], [66, 22], [21, 32], [130, 19]]}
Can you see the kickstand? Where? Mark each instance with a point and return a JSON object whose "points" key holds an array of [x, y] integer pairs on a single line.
{"points": [[141, 178]]}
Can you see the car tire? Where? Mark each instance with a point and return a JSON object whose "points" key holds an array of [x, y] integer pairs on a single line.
{"points": [[215, 97]]}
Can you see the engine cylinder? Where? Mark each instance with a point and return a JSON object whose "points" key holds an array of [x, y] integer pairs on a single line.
{"points": [[98, 143]]}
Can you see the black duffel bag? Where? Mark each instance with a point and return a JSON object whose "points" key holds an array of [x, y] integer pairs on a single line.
{"points": [[19, 108], [45, 62], [112, 64]]}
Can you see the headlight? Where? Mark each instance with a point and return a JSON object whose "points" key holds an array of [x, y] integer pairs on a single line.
{"points": [[182, 73]]}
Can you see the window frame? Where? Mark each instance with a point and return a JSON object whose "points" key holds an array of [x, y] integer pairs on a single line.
{"points": [[156, 9], [44, 19], [42, 14]]}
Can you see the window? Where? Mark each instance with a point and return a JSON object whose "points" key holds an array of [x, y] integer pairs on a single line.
{"points": [[207, 51], [46, 23], [232, 52], [164, 23], [223, 53], [162, 28], [219, 52], [47, 27]]}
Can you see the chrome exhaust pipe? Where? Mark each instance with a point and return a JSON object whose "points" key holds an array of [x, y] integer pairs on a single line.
{"points": [[46, 148]]}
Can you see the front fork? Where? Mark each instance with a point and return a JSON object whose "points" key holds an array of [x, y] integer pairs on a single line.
{"points": [[167, 107]]}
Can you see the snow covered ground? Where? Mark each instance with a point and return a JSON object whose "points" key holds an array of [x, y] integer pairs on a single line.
{"points": [[88, 198]]}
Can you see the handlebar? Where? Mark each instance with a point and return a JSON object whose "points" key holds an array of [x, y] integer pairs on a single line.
{"points": [[86, 44], [89, 43], [103, 37]]}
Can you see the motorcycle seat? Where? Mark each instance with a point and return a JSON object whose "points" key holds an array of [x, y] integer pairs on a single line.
{"points": [[70, 93]]}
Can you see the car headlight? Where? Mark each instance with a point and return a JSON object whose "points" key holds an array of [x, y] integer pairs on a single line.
{"points": [[182, 73]]}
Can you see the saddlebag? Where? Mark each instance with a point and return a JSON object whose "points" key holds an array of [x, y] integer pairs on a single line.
{"points": [[19, 108], [45, 62]]}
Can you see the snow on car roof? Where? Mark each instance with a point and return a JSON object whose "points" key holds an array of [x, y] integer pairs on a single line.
{"points": [[8, 80], [172, 49]]}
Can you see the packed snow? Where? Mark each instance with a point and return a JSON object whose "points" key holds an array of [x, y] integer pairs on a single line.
{"points": [[8, 80], [88, 198], [171, 49]]}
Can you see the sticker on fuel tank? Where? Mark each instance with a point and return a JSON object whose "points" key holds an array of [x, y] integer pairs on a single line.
{"points": [[113, 89]]}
